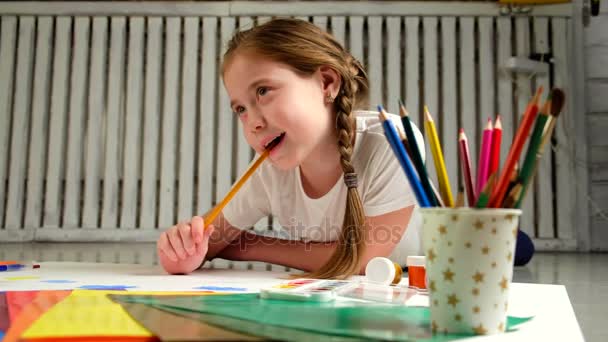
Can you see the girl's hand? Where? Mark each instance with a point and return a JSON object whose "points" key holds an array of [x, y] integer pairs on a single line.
{"points": [[183, 247]]}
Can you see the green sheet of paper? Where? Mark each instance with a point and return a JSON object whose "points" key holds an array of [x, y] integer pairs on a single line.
{"points": [[340, 318]]}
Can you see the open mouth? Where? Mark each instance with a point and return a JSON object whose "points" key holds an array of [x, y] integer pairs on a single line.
{"points": [[274, 142]]}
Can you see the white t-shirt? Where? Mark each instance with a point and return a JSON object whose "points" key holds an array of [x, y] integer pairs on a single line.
{"points": [[382, 185]]}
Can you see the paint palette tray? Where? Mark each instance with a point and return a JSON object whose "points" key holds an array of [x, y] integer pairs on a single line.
{"points": [[311, 290]]}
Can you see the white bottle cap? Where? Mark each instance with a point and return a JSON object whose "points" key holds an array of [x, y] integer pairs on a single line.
{"points": [[416, 260], [380, 270]]}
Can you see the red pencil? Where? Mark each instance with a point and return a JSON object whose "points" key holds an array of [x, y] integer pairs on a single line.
{"points": [[518, 144], [485, 154], [465, 163], [496, 140]]}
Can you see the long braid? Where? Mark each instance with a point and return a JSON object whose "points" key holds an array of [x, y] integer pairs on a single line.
{"points": [[349, 251]]}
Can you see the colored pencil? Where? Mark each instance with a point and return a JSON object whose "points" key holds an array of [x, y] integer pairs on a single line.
{"points": [[484, 195], [415, 153], [393, 139], [211, 215], [442, 175], [484, 157], [465, 164], [496, 141], [433, 188], [525, 175], [518, 144]]}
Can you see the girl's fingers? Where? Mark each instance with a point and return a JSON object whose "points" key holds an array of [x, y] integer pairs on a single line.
{"points": [[164, 246], [176, 242], [207, 233], [198, 226], [186, 236], [201, 248]]}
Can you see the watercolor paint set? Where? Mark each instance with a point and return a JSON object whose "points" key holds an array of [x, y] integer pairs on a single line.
{"points": [[313, 290], [381, 293]]}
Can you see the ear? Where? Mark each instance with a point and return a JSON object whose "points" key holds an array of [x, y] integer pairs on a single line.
{"points": [[330, 80]]}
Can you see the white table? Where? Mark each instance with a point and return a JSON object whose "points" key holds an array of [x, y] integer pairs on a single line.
{"points": [[554, 317]]}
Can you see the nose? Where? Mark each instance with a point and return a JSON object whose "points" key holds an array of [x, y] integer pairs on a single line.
{"points": [[256, 120]]}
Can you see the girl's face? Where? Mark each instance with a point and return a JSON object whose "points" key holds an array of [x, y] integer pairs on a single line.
{"points": [[272, 101]]}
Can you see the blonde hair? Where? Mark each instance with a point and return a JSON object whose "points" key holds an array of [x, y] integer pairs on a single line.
{"points": [[305, 48]]}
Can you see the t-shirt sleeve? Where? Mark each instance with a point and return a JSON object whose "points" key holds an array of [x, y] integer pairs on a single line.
{"points": [[388, 188], [250, 204]]}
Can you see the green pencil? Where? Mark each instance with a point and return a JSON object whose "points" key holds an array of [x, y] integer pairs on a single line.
{"points": [[416, 157], [527, 169]]}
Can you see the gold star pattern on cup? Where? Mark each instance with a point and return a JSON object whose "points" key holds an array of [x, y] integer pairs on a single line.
{"points": [[432, 286], [514, 232], [485, 250], [494, 230], [457, 317], [448, 275], [509, 257], [510, 217], [435, 302], [430, 254], [443, 230], [453, 300], [479, 330], [476, 309], [475, 291], [451, 260], [501, 327], [478, 224], [434, 326], [455, 217], [449, 243], [467, 244], [494, 264], [504, 284], [478, 277]]}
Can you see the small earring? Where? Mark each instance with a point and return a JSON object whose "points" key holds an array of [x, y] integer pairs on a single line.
{"points": [[329, 98]]}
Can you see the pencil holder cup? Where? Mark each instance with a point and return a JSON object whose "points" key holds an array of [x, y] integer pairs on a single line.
{"points": [[469, 265]]}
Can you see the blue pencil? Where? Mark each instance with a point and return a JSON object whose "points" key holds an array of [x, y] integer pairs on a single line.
{"points": [[11, 267], [406, 164]]}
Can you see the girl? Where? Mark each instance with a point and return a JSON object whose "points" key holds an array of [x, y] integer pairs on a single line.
{"points": [[331, 179]]}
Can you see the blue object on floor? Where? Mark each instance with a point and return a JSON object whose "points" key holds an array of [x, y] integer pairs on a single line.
{"points": [[524, 249]]}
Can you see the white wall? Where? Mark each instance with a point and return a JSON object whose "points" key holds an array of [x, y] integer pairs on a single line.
{"points": [[596, 50]]}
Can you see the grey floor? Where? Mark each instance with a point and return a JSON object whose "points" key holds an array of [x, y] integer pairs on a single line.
{"points": [[584, 275]]}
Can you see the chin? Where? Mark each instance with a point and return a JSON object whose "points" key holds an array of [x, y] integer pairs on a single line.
{"points": [[284, 164]]}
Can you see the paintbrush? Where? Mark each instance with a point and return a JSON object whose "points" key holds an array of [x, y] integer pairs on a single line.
{"points": [[558, 99]]}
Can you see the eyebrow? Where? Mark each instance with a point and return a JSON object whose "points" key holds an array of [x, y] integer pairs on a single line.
{"points": [[252, 85]]}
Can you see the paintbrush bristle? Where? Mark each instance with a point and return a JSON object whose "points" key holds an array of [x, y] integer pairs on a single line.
{"points": [[558, 98]]}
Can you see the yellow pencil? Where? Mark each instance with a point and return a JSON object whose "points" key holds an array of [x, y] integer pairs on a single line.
{"points": [[210, 216], [442, 175]]}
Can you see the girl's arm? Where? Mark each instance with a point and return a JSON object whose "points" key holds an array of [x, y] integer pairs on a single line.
{"points": [[382, 234]]}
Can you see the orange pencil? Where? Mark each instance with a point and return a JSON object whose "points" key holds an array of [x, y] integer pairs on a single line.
{"points": [[211, 215], [518, 144]]}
